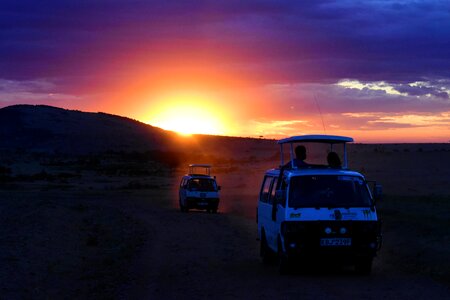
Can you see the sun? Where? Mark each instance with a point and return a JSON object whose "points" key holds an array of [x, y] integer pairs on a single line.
{"points": [[188, 114], [187, 120]]}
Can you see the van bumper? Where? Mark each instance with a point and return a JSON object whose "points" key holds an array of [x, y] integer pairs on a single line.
{"points": [[363, 239], [202, 203]]}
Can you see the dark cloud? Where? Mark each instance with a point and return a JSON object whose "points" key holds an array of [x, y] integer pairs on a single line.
{"points": [[309, 99], [269, 41], [437, 90]]}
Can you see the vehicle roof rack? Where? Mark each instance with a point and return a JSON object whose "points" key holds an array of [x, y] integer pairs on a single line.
{"points": [[200, 165], [317, 138], [314, 138], [206, 167]]}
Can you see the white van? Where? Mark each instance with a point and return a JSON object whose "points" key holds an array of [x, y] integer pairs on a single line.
{"points": [[199, 190], [317, 211]]}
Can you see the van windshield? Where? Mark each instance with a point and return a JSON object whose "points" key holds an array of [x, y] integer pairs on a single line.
{"points": [[328, 191], [202, 185]]}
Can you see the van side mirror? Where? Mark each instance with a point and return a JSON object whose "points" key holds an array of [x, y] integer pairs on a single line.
{"points": [[377, 191]]}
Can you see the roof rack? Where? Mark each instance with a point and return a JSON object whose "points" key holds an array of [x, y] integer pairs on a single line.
{"points": [[194, 167], [314, 138], [317, 138]]}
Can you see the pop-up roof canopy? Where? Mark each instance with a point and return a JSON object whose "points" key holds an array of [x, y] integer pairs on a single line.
{"points": [[194, 167], [315, 138]]}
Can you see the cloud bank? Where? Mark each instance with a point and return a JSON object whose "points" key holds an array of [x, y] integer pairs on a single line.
{"points": [[381, 58]]}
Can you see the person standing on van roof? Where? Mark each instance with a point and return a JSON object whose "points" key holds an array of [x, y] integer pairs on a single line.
{"points": [[333, 160], [299, 160]]}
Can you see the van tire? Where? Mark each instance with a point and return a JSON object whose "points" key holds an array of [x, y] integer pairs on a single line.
{"points": [[284, 267], [182, 207], [363, 266], [265, 252]]}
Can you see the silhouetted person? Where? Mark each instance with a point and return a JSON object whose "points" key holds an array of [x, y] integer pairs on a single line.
{"points": [[299, 160], [333, 160]]}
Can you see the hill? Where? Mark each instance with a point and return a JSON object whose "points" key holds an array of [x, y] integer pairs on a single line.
{"points": [[51, 130], [40, 128]]}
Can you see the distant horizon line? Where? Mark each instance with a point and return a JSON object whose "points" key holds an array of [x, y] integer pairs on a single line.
{"points": [[258, 137]]}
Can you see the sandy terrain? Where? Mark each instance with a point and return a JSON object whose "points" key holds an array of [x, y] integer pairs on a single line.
{"points": [[113, 230], [199, 255]]}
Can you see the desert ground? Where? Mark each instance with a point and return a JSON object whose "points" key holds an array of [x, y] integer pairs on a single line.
{"points": [[108, 226]]}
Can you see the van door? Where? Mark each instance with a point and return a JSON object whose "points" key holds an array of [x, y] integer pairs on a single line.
{"points": [[274, 216], [265, 209], [280, 212]]}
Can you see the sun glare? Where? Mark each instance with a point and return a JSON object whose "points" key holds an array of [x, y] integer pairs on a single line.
{"points": [[188, 114]]}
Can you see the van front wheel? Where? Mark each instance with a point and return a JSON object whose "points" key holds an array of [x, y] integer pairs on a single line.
{"points": [[363, 266], [182, 207], [284, 267], [265, 252], [180, 204]]}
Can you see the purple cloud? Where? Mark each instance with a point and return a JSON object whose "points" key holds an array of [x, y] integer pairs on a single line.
{"points": [[289, 41]]}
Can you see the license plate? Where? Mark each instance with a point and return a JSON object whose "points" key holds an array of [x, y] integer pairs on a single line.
{"points": [[335, 242], [203, 203]]}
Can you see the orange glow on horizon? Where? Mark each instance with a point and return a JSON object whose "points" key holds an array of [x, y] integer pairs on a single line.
{"points": [[188, 113], [195, 93], [180, 92]]}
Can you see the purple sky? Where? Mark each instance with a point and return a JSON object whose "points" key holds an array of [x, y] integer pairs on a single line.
{"points": [[374, 57]]}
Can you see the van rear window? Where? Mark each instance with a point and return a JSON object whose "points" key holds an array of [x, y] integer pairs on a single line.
{"points": [[328, 191], [202, 185]]}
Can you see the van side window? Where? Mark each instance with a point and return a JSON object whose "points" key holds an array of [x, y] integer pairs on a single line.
{"points": [[265, 189], [273, 190]]}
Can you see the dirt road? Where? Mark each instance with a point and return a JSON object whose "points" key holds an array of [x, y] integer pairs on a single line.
{"points": [[112, 230], [104, 242], [201, 255]]}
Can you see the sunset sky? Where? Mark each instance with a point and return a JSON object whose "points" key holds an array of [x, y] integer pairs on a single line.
{"points": [[378, 71]]}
